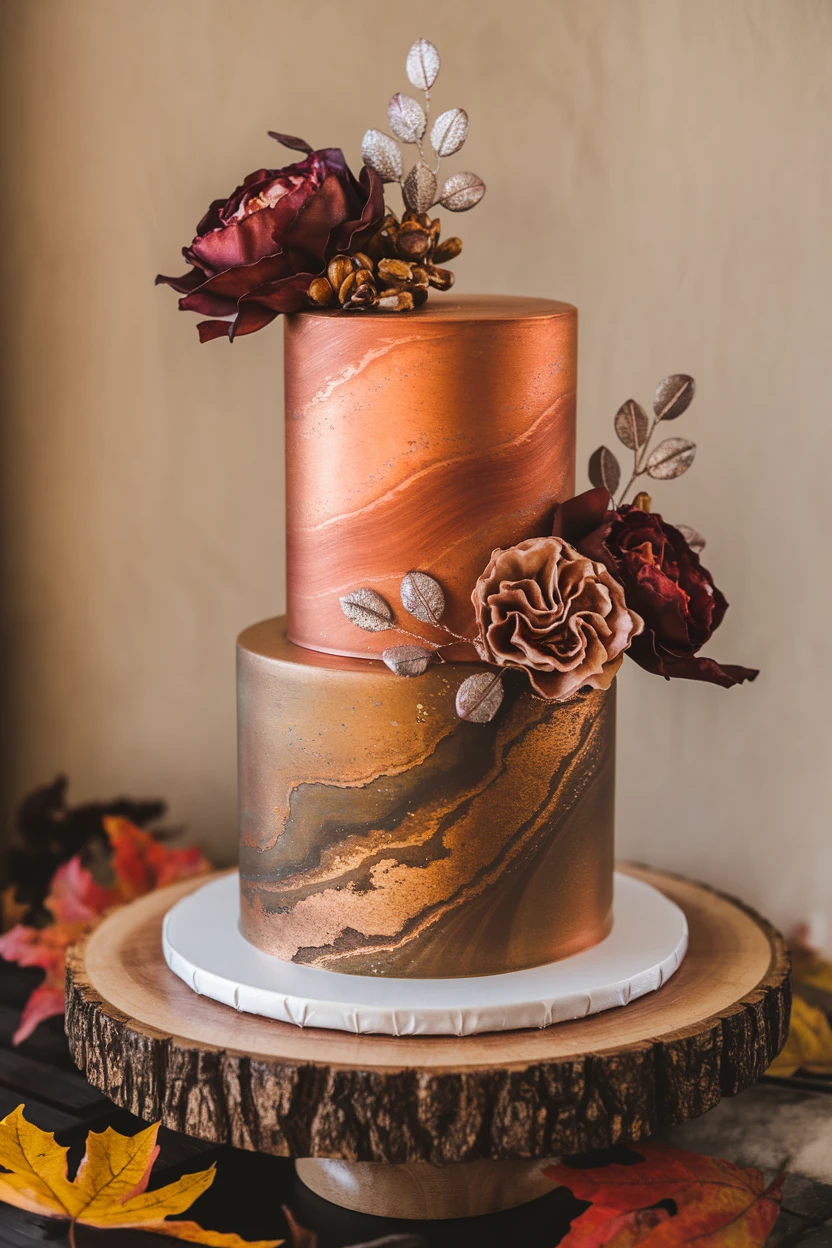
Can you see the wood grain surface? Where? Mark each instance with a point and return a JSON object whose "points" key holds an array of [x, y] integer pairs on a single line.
{"points": [[143, 1037]]}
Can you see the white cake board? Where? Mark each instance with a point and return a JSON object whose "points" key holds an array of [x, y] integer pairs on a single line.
{"points": [[203, 945]]}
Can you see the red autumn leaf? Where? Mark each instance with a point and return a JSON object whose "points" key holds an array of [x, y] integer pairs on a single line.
{"points": [[718, 1204], [75, 896], [77, 901], [600, 1227], [44, 947], [141, 863]]}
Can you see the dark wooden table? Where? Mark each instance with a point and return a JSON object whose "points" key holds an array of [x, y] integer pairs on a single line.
{"points": [[776, 1119]]}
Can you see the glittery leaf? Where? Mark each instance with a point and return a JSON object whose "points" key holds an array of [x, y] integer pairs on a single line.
{"points": [[408, 660], [479, 697], [383, 154], [461, 191], [423, 64], [419, 188], [670, 459], [604, 470], [406, 117], [693, 538], [449, 131], [368, 610], [422, 597], [673, 396], [632, 425]]}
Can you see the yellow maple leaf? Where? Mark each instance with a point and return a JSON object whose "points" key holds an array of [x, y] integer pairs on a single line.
{"points": [[110, 1188], [809, 1043]]}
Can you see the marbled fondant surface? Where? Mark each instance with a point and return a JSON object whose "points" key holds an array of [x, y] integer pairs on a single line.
{"points": [[381, 835], [420, 441]]}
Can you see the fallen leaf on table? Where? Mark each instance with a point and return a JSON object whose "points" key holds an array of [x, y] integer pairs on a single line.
{"points": [[76, 901], [110, 1188], [808, 1046], [600, 1227], [715, 1204]]}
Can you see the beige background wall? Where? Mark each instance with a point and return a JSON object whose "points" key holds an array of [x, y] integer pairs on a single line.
{"points": [[664, 164]]}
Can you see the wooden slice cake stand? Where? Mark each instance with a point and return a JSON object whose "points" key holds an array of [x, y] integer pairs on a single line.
{"points": [[399, 1107]]}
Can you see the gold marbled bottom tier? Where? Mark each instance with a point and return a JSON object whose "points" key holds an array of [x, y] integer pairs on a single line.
{"points": [[380, 835]]}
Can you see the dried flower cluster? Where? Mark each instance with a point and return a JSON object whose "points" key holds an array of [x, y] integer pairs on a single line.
{"points": [[313, 234], [402, 261], [612, 578], [395, 273]]}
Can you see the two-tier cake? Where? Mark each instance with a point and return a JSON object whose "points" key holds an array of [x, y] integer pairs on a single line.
{"points": [[380, 834]]}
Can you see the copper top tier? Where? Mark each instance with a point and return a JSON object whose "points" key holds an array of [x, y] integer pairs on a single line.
{"points": [[420, 441]]}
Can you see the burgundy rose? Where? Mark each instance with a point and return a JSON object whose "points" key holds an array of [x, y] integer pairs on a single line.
{"points": [[663, 581], [256, 252], [560, 617]]}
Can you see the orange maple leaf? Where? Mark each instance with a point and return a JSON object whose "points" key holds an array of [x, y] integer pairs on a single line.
{"points": [[141, 863], [716, 1203], [110, 1187], [77, 901]]}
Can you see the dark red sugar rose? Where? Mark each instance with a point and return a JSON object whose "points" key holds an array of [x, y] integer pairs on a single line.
{"points": [[664, 581], [256, 252]]}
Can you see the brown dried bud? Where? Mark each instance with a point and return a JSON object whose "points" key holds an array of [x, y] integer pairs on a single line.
{"points": [[363, 296], [358, 288], [448, 250], [338, 271], [421, 218], [394, 270], [396, 301], [321, 293], [413, 241], [383, 242], [442, 279]]}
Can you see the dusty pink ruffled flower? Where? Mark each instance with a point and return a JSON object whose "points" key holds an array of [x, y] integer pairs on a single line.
{"points": [[560, 617]]}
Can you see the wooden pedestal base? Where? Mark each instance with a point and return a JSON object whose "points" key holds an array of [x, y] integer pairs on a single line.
{"points": [[153, 1045], [422, 1192]]}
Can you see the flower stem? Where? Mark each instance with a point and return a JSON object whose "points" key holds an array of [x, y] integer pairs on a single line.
{"points": [[640, 459], [420, 149], [451, 633], [71, 1236]]}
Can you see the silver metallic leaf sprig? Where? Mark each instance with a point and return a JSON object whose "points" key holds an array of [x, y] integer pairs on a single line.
{"points": [[635, 430], [421, 188], [423, 598], [479, 696]]}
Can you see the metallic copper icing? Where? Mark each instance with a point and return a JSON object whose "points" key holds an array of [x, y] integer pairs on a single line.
{"points": [[420, 441], [381, 835]]}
